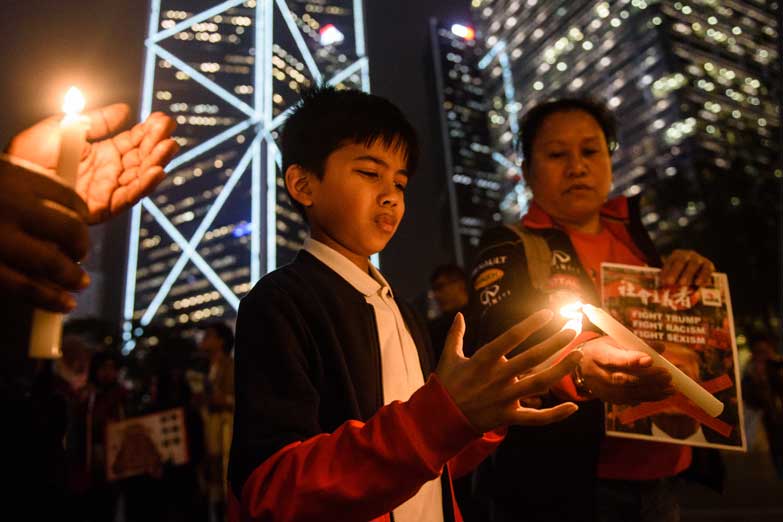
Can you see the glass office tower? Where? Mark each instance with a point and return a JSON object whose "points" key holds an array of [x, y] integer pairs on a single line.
{"points": [[228, 72], [474, 182]]}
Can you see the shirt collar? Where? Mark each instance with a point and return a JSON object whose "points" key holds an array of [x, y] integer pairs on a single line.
{"points": [[367, 284], [537, 217]]}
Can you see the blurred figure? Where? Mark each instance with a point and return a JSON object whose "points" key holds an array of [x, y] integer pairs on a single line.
{"points": [[218, 411], [72, 370], [101, 401], [175, 494], [449, 289], [762, 389]]}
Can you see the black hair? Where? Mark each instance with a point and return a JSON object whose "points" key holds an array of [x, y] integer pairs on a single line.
{"points": [[224, 332], [326, 119], [100, 358], [451, 271], [531, 122]]}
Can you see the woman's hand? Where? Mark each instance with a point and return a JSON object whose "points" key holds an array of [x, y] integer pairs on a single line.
{"points": [[687, 268], [621, 376]]}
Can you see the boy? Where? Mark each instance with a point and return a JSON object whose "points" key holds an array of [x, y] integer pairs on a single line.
{"points": [[335, 416]]}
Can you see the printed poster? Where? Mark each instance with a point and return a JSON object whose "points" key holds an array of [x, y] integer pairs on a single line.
{"points": [[141, 445], [695, 327]]}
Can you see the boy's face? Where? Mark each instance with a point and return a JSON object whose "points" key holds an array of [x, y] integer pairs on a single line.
{"points": [[359, 202]]}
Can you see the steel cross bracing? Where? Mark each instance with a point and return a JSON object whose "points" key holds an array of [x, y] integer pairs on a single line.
{"points": [[259, 117]]}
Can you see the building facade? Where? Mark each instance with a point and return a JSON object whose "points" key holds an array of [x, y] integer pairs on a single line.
{"points": [[695, 87], [227, 72], [473, 180]]}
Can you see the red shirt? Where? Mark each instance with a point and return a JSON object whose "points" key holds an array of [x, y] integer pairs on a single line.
{"points": [[625, 458], [620, 459]]}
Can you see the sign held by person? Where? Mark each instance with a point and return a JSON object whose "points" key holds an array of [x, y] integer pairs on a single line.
{"points": [[694, 327]]}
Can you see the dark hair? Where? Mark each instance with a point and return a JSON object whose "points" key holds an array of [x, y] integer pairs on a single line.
{"points": [[451, 271], [531, 122], [326, 119], [99, 359], [224, 332]]}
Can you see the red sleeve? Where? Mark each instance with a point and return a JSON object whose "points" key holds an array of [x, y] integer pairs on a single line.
{"points": [[470, 457], [362, 470]]}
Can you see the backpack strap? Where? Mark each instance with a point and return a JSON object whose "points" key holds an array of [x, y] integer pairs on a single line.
{"points": [[537, 253]]}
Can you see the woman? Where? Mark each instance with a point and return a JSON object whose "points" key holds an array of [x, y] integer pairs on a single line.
{"points": [[550, 258]]}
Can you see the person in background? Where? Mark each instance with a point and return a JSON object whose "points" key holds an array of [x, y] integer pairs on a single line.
{"points": [[105, 403], [551, 258], [762, 388], [217, 342], [449, 289], [175, 492]]}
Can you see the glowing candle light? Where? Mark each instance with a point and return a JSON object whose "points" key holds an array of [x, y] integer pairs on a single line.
{"points": [[572, 312], [626, 339], [46, 334]]}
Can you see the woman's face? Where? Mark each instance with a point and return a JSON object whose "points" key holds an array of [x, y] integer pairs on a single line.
{"points": [[570, 171]]}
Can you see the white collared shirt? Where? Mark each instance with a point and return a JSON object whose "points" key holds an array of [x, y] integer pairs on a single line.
{"points": [[400, 368]]}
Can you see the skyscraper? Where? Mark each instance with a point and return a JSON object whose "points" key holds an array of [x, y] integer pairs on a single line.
{"points": [[473, 180], [228, 72], [694, 85]]}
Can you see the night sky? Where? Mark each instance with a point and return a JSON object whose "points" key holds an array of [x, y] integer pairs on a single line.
{"points": [[49, 45]]}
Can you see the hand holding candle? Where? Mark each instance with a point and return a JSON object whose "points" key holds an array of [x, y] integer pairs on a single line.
{"points": [[44, 222], [117, 169], [627, 339]]}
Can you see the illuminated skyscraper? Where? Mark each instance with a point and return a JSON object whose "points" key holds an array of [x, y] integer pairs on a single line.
{"points": [[695, 88], [473, 180], [228, 71]]}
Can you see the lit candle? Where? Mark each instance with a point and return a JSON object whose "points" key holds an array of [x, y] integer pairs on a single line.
{"points": [[626, 338], [573, 313], [46, 333]]}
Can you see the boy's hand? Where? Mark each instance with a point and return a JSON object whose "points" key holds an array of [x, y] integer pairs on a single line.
{"points": [[621, 376], [487, 387]]}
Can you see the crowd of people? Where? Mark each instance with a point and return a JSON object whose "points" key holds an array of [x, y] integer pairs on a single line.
{"points": [[339, 402], [94, 386]]}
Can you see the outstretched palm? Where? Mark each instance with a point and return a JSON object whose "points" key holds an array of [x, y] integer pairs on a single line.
{"points": [[116, 171]]}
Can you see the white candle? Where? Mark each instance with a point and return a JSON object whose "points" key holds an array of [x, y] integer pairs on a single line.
{"points": [[73, 136], [46, 333], [690, 388]]}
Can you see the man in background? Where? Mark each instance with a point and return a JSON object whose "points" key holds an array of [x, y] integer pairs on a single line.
{"points": [[449, 289], [218, 410]]}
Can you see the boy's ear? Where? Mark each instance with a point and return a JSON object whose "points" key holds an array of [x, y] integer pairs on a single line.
{"points": [[299, 182]]}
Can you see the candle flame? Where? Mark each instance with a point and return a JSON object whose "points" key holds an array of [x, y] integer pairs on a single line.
{"points": [[74, 102], [573, 312]]}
